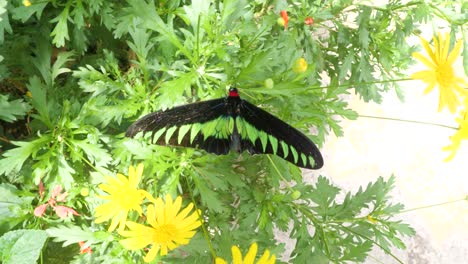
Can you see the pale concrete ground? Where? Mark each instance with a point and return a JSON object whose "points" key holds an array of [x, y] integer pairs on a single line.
{"points": [[413, 153]]}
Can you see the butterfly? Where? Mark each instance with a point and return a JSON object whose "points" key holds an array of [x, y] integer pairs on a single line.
{"points": [[225, 124]]}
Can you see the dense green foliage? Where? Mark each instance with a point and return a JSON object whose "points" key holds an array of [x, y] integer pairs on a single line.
{"points": [[76, 73]]}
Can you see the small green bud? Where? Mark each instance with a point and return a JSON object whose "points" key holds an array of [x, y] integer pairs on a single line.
{"points": [[296, 194], [269, 83]]}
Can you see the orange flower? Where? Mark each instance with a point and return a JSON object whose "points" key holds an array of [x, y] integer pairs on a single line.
{"points": [[309, 21], [84, 249], [285, 17]]}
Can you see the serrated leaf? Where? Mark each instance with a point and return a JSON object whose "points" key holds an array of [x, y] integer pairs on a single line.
{"points": [[38, 93], [4, 21], [346, 66], [23, 13], [71, 234], [64, 172], [13, 159], [324, 193], [58, 68], [12, 207], [209, 197], [174, 90], [95, 153], [12, 110], [60, 32], [21, 246]]}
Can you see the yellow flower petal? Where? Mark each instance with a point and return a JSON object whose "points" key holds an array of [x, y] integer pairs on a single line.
{"points": [[220, 261], [249, 257], [151, 254], [454, 53], [123, 197], [428, 49], [251, 254], [424, 60], [445, 48], [236, 255]]}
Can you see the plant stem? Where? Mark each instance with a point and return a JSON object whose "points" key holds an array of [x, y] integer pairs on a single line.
{"points": [[205, 230], [280, 174], [83, 158], [407, 121], [433, 205], [363, 83]]}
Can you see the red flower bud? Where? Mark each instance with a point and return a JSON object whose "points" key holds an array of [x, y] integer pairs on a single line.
{"points": [[309, 21]]}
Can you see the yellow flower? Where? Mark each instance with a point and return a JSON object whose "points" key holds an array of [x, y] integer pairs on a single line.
{"points": [[123, 197], [84, 192], [26, 3], [371, 219], [249, 257], [441, 72], [461, 134], [300, 65], [168, 229]]}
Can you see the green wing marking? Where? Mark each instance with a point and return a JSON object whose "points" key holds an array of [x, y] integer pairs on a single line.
{"points": [[169, 133], [294, 153], [194, 131], [182, 132], [158, 134], [285, 149]]}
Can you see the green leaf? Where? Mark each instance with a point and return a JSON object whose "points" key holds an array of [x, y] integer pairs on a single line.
{"points": [[209, 197], [324, 194], [23, 13], [174, 90], [14, 207], [21, 246], [60, 32], [74, 234], [346, 66], [64, 172], [13, 159], [4, 21], [94, 151], [57, 68], [38, 93], [12, 110], [231, 11]]}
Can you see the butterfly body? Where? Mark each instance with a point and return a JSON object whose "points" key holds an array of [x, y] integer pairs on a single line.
{"points": [[225, 124]]}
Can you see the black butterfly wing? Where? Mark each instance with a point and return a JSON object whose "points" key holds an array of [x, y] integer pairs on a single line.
{"points": [[261, 132], [206, 125]]}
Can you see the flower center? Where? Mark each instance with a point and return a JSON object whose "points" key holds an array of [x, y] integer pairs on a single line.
{"points": [[445, 74], [163, 234]]}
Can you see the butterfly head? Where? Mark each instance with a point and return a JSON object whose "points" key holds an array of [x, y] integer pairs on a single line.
{"points": [[233, 92]]}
